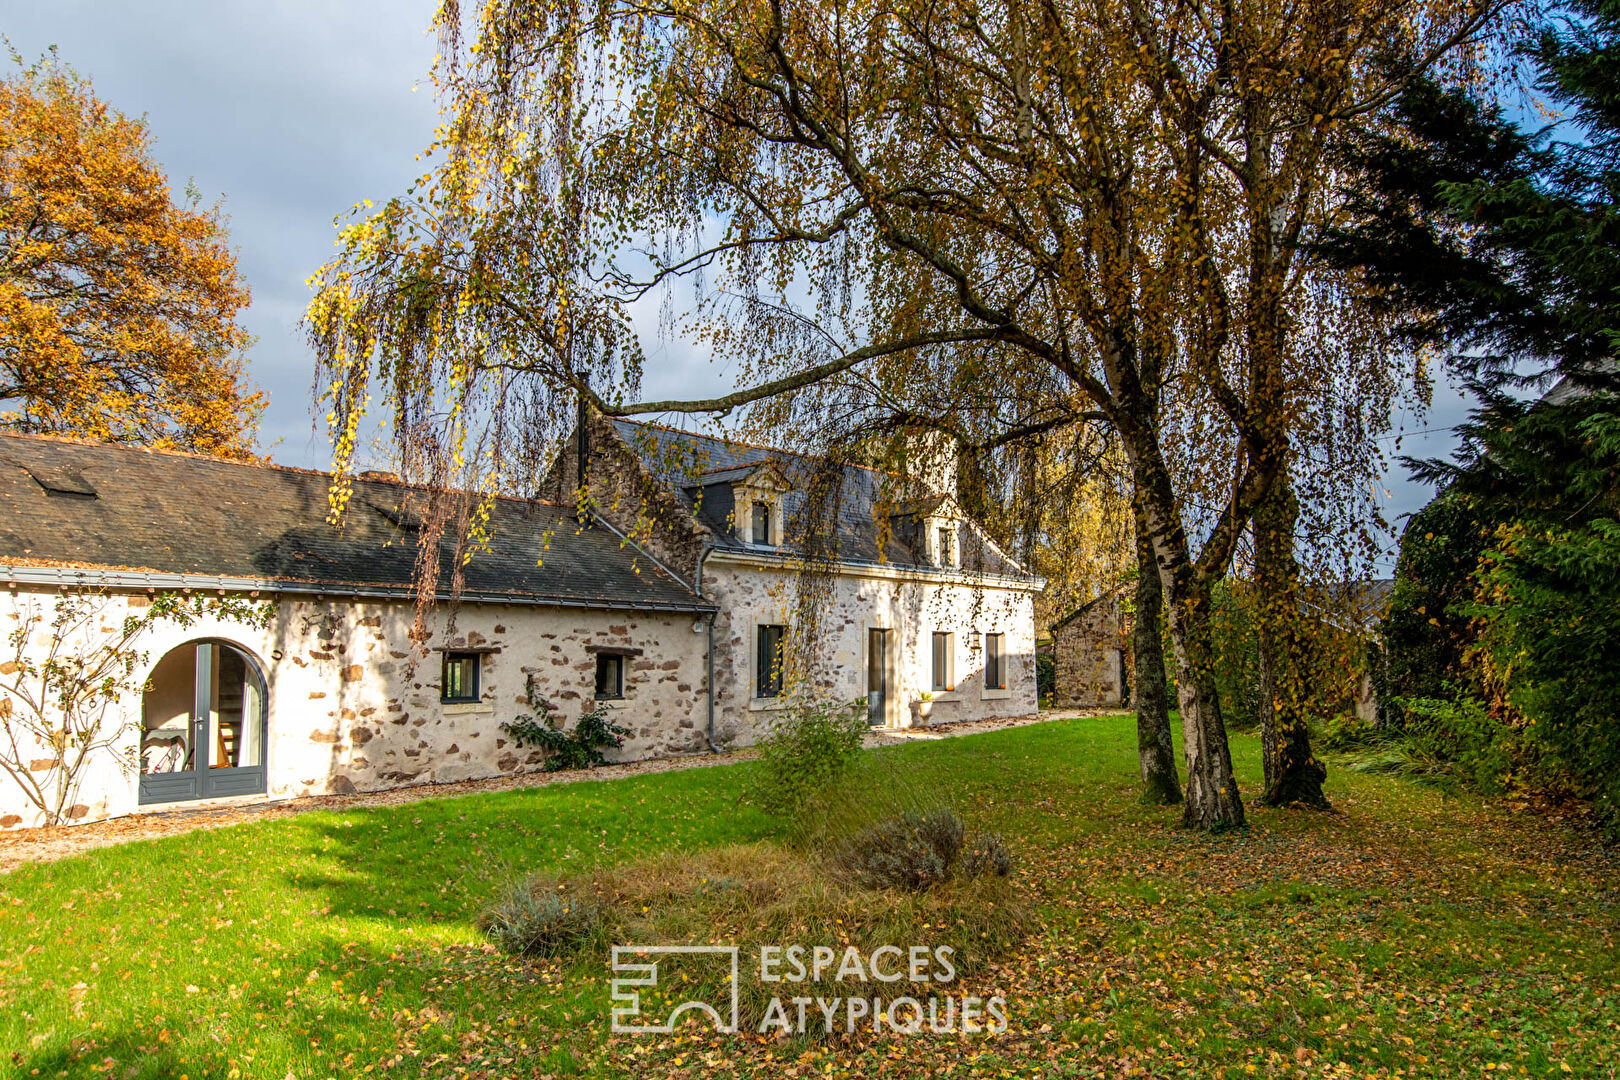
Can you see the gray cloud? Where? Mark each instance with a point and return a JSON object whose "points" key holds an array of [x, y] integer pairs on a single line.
{"points": [[294, 111]]}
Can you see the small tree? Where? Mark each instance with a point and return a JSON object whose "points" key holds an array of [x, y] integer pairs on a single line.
{"points": [[70, 660]]}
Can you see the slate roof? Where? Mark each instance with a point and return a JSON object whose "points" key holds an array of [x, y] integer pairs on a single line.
{"points": [[1111, 594], [69, 503], [700, 469]]}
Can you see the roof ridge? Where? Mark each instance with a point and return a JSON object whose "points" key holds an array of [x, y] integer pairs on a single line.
{"points": [[256, 463], [703, 435], [730, 441]]}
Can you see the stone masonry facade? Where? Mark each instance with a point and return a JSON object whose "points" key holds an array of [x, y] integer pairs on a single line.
{"points": [[354, 705], [1089, 651]]}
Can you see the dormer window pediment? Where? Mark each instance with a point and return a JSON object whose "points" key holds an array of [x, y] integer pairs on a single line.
{"points": [[757, 496], [932, 527], [944, 541]]}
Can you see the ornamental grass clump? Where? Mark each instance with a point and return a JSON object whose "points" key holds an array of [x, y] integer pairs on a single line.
{"points": [[918, 851], [537, 919], [988, 854], [752, 896]]}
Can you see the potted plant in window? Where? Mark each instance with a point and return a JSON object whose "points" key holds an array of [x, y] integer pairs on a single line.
{"points": [[922, 708]]}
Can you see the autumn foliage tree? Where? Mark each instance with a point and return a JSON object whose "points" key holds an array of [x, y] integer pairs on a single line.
{"points": [[118, 304]]}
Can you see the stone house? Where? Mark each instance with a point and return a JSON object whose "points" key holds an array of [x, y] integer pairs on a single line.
{"points": [[667, 589], [333, 697], [905, 605], [1091, 648]]}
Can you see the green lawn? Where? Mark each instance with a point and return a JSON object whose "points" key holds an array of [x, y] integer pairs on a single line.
{"points": [[1408, 934]]}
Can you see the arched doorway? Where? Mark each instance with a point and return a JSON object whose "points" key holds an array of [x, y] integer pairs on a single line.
{"points": [[204, 725]]}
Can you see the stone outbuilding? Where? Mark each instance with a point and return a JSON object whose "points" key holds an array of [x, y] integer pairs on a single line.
{"points": [[333, 695], [1091, 647]]}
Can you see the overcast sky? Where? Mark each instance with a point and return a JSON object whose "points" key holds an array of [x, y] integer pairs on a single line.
{"points": [[295, 110]]}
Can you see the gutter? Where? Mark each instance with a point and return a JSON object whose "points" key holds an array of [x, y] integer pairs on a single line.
{"points": [[708, 682], [891, 571], [151, 579]]}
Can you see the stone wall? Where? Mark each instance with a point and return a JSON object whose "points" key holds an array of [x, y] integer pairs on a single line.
{"points": [[1088, 656], [830, 661], [622, 492], [353, 706]]}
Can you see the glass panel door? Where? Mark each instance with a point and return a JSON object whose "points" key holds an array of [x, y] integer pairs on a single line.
{"points": [[236, 740], [169, 745], [203, 725], [877, 680]]}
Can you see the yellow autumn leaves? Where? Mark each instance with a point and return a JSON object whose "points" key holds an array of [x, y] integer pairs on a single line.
{"points": [[118, 305]]}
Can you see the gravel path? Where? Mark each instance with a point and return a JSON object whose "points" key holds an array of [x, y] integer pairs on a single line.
{"points": [[42, 845]]}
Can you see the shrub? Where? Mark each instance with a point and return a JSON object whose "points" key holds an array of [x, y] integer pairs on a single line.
{"points": [[1045, 676], [912, 851], [988, 854], [1463, 733], [534, 920], [1424, 634], [1455, 743], [915, 852], [579, 748], [806, 752], [1236, 639], [1349, 732]]}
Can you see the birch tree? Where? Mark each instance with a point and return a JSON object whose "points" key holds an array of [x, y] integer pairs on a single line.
{"points": [[1065, 210]]}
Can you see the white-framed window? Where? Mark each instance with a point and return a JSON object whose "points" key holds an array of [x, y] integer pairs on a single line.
{"points": [[944, 661], [942, 539], [995, 662], [758, 516]]}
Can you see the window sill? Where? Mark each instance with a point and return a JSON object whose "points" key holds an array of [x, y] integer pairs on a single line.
{"points": [[944, 696], [610, 703], [995, 695], [767, 704], [464, 708]]}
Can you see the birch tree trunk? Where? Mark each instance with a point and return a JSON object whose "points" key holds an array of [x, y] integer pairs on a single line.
{"points": [[1154, 747], [1212, 800]]}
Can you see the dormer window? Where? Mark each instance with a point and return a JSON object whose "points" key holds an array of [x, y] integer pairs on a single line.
{"points": [[761, 514], [941, 536]]}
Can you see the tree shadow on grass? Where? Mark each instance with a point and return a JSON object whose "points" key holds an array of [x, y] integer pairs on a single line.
{"points": [[446, 860], [416, 1011]]}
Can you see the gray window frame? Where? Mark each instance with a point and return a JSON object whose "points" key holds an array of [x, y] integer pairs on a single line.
{"points": [[769, 662], [457, 657], [995, 662]]}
